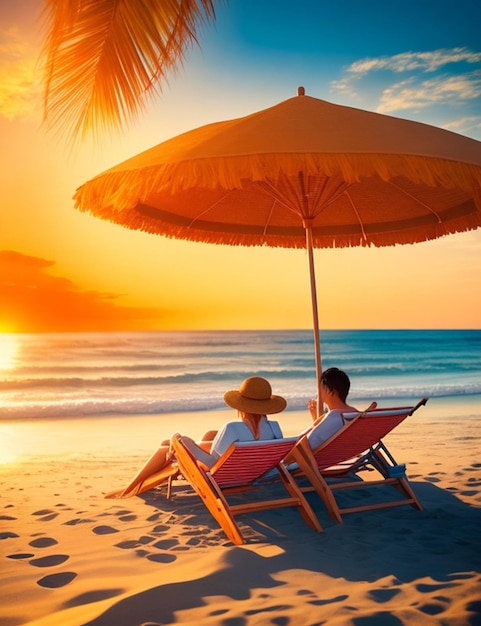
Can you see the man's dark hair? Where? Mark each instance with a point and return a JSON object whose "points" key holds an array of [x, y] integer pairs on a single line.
{"points": [[336, 380]]}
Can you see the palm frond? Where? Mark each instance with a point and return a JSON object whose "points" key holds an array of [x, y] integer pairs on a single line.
{"points": [[105, 59]]}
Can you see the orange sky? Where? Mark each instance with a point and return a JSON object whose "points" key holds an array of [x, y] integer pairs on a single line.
{"points": [[61, 270]]}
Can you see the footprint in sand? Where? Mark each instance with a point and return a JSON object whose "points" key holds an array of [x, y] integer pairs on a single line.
{"points": [[43, 542], [54, 581], [473, 467], [161, 558], [104, 530], [78, 520], [20, 555], [432, 608], [212, 614], [161, 528], [45, 515], [306, 592], [127, 518], [473, 482], [50, 561], [194, 541], [145, 539], [134, 543], [141, 553], [383, 595], [165, 544]]}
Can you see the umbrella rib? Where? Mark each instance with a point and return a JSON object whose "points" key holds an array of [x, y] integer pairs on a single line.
{"points": [[335, 196], [209, 208], [354, 208], [266, 225], [410, 195], [273, 192]]}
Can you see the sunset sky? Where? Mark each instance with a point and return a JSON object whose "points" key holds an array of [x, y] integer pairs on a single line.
{"points": [[62, 270]]}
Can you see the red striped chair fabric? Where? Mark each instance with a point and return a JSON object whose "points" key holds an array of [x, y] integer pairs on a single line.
{"points": [[246, 462]]}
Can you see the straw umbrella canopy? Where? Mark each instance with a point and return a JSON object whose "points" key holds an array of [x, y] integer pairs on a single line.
{"points": [[304, 173]]}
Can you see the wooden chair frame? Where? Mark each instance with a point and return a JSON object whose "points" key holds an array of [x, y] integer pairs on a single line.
{"points": [[238, 470], [357, 446]]}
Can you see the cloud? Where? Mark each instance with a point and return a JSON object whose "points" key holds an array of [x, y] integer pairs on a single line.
{"points": [[465, 124], [409, 61], [412, 94], [449, 79], [33, 300], [20, 87]]}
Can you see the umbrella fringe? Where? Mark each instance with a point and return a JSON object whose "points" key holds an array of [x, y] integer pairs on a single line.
{"points": [[122, 188]]}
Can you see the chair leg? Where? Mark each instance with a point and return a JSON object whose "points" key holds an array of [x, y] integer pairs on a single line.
{"points": [[382, 460], [169, 488], [406, 488], [304, 508], [212, 498], [317, 481]]}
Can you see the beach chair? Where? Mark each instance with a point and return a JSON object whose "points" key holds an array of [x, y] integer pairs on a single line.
{"points": [[240, 469], [358, 446]]}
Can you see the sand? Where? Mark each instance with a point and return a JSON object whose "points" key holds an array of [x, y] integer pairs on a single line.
{"points": [[69, 557]]}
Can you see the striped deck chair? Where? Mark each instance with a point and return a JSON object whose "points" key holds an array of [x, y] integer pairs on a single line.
{"points": [[239, 469], [356, 447]]}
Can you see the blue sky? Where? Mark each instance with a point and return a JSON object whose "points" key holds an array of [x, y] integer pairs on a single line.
{"points": [[415, 59]]}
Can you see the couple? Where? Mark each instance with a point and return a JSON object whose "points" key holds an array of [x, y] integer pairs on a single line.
{"points": [[254, 401]]}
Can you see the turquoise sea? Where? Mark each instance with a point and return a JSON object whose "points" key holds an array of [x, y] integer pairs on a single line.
{"points": [[95, 374]]}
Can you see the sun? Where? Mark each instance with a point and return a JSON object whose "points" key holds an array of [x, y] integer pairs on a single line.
{"points": [[8, 350]]}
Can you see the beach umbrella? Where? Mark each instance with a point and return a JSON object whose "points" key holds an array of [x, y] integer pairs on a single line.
{"points": [[304, 173]]}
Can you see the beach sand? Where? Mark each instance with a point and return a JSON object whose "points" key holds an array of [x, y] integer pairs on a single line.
{"points": [[69, 557]]}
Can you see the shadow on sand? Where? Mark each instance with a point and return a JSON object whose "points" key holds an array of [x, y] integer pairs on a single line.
{"points": [[441, 543]]}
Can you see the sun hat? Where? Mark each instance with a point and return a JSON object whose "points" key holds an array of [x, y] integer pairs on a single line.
{"points": [[255, 396]]}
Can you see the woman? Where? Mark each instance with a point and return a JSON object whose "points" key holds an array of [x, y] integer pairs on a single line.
{"points": [[254, 401]]}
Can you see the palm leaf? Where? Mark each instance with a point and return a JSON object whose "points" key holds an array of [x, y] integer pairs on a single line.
{"points": [[105, 59]]}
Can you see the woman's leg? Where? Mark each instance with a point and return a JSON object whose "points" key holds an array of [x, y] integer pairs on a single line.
{"points": [[152, 472], [209, 435], [206, 442], [158, 462]]}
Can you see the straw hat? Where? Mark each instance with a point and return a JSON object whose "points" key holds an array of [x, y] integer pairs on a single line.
{"points": [[255, 396]]}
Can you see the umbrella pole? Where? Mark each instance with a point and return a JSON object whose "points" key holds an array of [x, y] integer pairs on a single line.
{"points": [[315, 316]]}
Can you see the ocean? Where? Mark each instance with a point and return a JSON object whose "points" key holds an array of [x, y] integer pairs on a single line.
{"points": [[102, 374]]}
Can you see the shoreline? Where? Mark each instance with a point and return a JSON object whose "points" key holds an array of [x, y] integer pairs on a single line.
{"points": [[135, 434]]}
